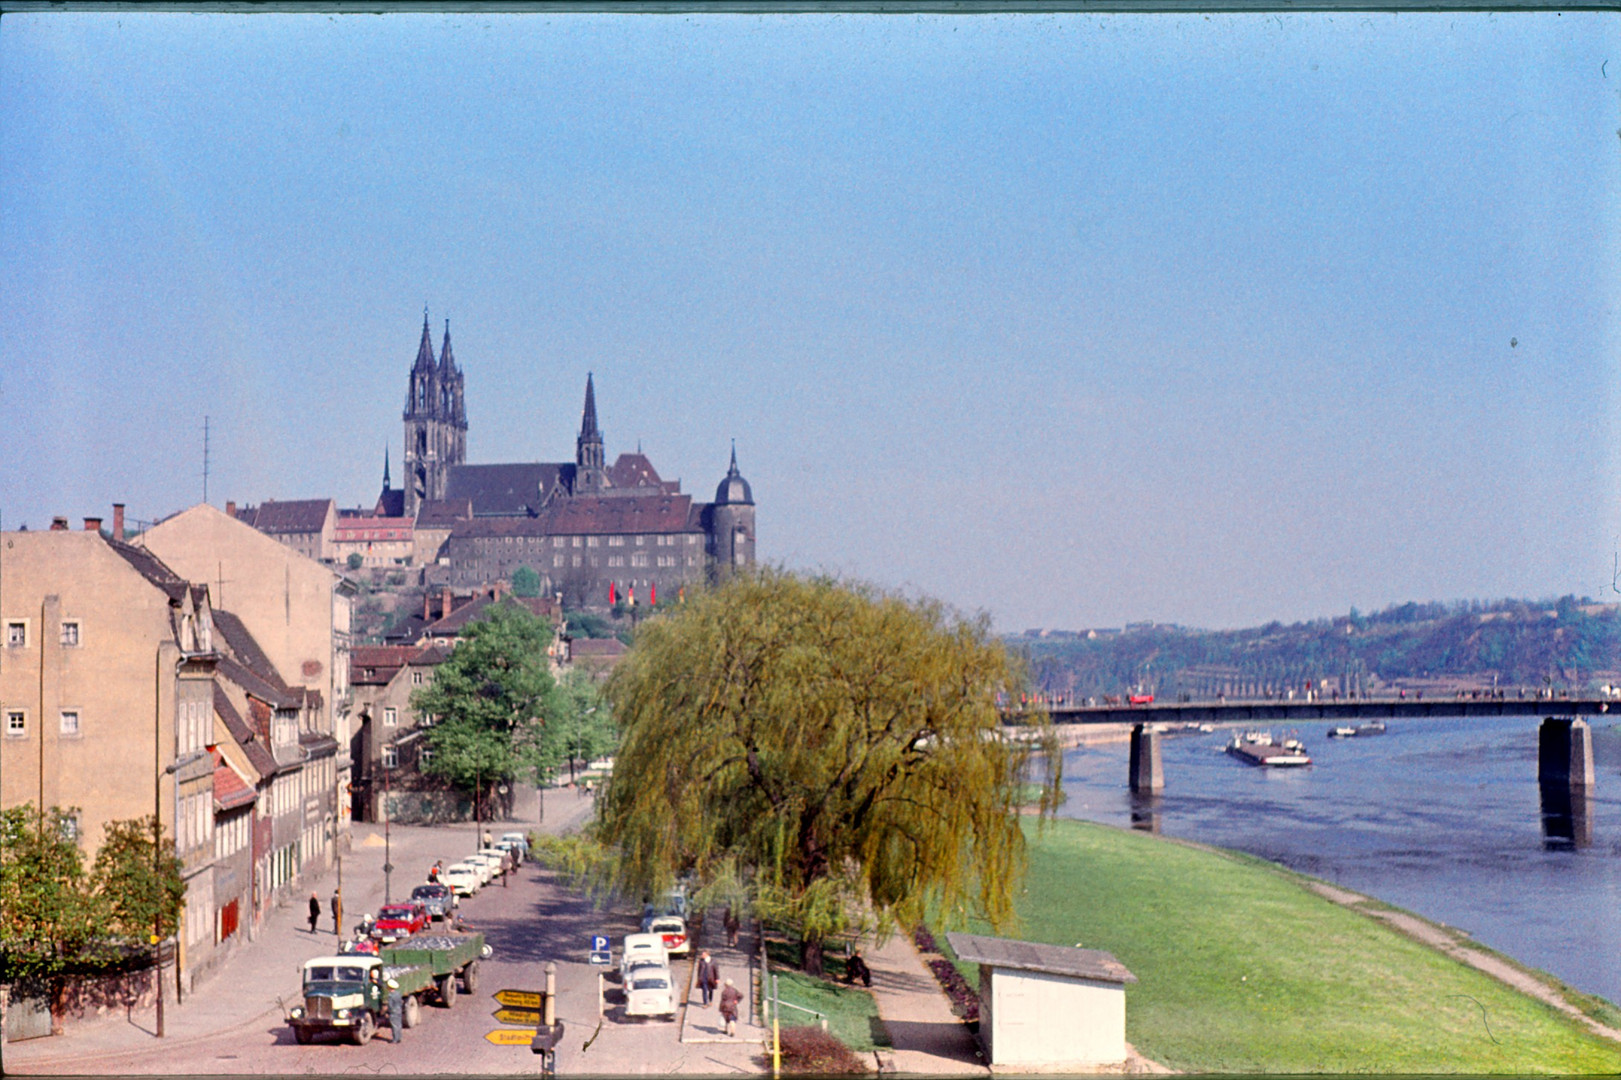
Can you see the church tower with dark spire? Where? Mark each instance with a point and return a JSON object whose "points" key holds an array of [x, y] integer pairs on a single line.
{"points": [[435, 421], [590, 474]]}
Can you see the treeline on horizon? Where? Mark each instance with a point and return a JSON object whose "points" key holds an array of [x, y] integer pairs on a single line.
{"points": [[1564, 644]]}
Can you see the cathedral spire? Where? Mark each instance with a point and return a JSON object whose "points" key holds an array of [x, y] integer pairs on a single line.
{"points": [[424, 350], [386, 484], [447, 363], [588, 420]]}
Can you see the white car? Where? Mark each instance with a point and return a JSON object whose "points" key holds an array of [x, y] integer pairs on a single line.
{"points": [[488, 868], [462, 879], [650, 990], [498, 854], [641, 947], [518, 838], [673, 930]]}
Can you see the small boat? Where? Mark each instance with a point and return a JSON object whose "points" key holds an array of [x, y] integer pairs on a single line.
{"points": [[1344, 731], [1259, 748]]}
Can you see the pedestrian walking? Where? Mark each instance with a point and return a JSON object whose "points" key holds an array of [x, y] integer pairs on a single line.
{"points": [[337, 912], [729, 998], [487, 838], [396, 1008], [315, 911], [506, 869], [732, 925], [433, 874], [708, 976]]}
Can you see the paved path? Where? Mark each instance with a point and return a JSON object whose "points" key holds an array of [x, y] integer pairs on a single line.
{"points": [[928, 1037]]}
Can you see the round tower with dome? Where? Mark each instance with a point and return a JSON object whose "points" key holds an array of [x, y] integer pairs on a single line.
{"points": [[731, 526]]}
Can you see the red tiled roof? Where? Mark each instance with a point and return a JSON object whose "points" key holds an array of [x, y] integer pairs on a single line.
{"points": [[444, 512], [543, 606], [633, 470], [230, 790]]}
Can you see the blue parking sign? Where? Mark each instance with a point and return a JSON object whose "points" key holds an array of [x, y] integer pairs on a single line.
{"points": [[599, 943]]}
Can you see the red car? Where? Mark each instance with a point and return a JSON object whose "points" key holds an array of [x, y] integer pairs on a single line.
{"points": [[399, 921]]}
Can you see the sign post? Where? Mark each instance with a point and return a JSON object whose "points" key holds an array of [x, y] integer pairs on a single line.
{"points": [[601, 952]]}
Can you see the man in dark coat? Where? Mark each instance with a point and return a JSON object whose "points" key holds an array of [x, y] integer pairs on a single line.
{"points": [[708, 976], [337, 912], [315, 911], [856, 968]]}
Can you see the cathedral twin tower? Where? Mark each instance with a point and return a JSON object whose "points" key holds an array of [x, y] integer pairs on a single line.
{"points": [[435, 422]]}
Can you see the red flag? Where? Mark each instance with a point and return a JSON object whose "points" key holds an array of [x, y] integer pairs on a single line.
{"points": [[612, 599], [654, 599]]}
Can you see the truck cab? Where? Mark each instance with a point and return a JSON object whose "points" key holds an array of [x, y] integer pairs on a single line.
{"points": [[340, 993]]}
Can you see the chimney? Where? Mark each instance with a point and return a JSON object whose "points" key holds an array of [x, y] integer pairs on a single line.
{"points": [[444, 601], [92, 524], [59, 524], [230, 508], [118, 521], [427, 598]]}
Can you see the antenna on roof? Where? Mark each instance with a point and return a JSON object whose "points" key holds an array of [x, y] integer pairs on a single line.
{"points": [[205, 459]]}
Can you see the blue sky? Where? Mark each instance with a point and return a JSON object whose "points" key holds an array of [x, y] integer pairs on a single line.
{"points": [[1076, 320]]}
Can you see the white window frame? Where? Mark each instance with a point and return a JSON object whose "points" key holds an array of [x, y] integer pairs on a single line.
{"points": [[77, 728], [19, 729], [19, 628], [391, 757], [391, 716]]}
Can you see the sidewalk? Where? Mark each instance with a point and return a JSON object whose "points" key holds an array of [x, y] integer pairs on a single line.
{"points": [[701, 1024], [929, 1039], [245, 991]]}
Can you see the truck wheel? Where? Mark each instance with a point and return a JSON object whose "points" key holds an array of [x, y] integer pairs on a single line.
{"points": [[364, 1030], [302, 1034], [447, 990], [411, 1014], [470, 977]]}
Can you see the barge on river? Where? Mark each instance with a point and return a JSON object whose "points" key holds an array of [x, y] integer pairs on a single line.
{"points": [[1259, 748]]}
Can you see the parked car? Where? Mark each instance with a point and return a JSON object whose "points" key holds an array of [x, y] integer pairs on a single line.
{"points": [[463, 879], [513, 849], [396, 921], [488, 869], [672, 929], [438, 899], [639, 947], [498, 854], [650, 991], [521, 839]]}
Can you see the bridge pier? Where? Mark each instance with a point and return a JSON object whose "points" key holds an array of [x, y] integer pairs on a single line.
{"points": [[1565, 775], [1147, 768], [1565, 753]]}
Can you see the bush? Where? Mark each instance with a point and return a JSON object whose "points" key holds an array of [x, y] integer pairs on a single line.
{"points": [[812, 1051], [923, 939], [354, 561]]}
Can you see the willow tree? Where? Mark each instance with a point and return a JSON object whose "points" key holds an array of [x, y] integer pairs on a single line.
{"points": [[837, 747]]}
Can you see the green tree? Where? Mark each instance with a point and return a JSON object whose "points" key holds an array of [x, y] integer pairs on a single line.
{"points": [[838, 748], [526, 582], [491, 699], [48, 910], [354, 561], [138, 879], [584, 725]]}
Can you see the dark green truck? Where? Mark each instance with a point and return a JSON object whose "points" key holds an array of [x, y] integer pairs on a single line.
{"points": [[349, 993]]}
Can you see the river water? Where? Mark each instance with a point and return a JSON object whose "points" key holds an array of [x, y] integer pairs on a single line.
{"points": [[1443, 817]]}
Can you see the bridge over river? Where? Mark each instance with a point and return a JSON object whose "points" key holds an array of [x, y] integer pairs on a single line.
{"points": [[1278, 710]]}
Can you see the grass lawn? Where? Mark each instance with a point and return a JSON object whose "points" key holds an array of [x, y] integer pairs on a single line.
{"points": [[1241, 969], [852, 1015]]}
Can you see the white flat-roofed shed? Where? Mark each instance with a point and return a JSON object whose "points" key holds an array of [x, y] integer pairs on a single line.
{"points": [[1047, 1007]]}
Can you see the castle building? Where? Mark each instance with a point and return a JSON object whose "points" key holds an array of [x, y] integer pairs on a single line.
{"points": [[596, 533]]}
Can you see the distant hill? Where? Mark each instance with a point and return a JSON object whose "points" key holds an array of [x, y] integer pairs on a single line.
{"points": [[1566, 644]]}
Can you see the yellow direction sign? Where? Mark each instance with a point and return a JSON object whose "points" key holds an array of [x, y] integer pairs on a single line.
{"points": [[520, 999], [511, 1037], [524, 1017]]}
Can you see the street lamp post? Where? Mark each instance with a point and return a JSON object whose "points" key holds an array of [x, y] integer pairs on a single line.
{"points": [[388, 815]]}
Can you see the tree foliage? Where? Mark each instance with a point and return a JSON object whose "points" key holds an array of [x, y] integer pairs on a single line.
{"points": [[138, 879], [583, 728], [837, 748], [526, 582], [54, 915], [492, 698]]}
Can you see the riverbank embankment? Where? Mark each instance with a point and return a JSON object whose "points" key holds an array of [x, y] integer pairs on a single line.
{"points": [[1244, 966]]}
